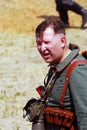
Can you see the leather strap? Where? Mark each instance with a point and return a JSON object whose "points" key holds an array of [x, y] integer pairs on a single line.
{"points": [[73, 128], [68, 74], [49, 87]]}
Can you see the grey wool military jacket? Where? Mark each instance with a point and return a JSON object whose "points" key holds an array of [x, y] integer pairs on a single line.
{"points": [[76, 96]]}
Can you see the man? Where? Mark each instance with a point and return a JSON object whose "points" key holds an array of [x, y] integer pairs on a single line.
{"points": [[52, 45], [63, 6]]}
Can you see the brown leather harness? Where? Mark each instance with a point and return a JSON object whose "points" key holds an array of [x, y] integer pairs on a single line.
{"points": [[68, 74]]}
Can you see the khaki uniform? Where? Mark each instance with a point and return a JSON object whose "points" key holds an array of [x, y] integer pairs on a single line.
{"points": [[76, 95]]}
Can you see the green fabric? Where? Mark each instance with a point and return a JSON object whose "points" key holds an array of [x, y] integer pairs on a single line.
{"points": [[76, 95]]}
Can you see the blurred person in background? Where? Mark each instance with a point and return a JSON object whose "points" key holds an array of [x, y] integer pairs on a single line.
{"points": [[63, 6]]}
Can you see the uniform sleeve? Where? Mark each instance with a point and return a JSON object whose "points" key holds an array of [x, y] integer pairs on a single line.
{"points": [[78, 87]]}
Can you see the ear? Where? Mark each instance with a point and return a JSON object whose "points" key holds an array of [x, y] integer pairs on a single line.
{"points": [[63, 40]]}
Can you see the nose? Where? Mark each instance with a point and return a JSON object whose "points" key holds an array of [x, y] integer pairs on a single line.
{"points": [[43, 47]]}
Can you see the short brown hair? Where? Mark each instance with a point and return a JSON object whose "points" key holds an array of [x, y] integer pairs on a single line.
{"points": [[54, 22]]}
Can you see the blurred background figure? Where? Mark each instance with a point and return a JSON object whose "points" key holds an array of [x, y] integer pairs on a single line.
{"points": [[63, 6]]}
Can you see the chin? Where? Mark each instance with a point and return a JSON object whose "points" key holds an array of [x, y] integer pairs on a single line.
{"points": [[48, 61]]}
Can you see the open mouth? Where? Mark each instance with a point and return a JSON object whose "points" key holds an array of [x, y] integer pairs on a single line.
{"points": [[46, 56]]}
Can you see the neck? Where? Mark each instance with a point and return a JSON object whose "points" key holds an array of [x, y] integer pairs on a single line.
{"points": [[66, 53]]}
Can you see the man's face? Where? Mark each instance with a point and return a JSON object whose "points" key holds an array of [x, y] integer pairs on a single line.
{"points": [[51, 46]]}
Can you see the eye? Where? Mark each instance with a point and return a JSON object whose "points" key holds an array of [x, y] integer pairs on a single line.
{"points": [[47, 42], [38, 43]]}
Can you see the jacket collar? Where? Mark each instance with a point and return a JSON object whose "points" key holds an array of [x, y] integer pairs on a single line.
{"points": [[67, 60]]}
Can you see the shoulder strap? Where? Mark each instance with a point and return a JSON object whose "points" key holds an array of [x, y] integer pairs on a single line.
{"points": [[69, 71]]}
